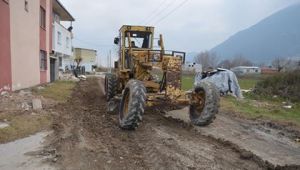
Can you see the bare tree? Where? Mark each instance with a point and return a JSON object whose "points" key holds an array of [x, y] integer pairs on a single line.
{"points": [[239, 60], [280, 63], [207, 60], [78, 61], [262, 64], [227, 64]]}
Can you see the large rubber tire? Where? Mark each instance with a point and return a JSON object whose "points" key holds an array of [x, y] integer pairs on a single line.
{"points": [[132, 105], [204, 114], [111, 86]]}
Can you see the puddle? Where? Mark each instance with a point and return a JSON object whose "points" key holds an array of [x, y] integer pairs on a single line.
{"points": [[3, 125], [13, 154]]}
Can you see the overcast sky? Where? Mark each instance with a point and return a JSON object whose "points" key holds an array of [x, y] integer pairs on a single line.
{"points": [[187, 25]]}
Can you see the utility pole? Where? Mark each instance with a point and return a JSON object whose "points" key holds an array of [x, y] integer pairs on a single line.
{"points": [[109, 61], [107, 64]]}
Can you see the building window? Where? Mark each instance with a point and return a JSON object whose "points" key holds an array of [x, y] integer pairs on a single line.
{"points": [[43, 60], [26, 5], [60, 61], [68, 42], [42, 18], [58, 37]]}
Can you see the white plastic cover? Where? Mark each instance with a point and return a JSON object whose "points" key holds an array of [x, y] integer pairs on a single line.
{"points": [[225, 80]]}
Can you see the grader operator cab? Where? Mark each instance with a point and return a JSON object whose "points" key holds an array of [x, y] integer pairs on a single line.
{"points": [[134, 82]]}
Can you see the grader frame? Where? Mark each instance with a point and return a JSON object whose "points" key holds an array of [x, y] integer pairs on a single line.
{"points": [[133, 77]]}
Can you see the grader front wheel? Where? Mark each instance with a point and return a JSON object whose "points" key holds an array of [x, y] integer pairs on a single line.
{"points": [[132, 105], [204, 104]]}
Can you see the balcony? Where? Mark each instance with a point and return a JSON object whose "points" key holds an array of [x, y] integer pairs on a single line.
{"points": [[61, 40]]}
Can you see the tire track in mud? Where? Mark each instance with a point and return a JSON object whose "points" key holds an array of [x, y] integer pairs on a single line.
{"points": [[87, 137], [244, 154], [185, 149]]}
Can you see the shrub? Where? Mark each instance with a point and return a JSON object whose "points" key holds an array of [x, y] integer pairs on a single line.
{"points": [[285, 85]]}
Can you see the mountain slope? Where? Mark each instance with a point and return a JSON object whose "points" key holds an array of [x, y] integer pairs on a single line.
{"points": [[276, 36]]}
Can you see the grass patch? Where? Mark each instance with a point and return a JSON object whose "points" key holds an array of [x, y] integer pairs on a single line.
{"points": [[23, 125], [244, 82], [271, 110], [59, 90], [247, 83], [285, 85], [254, 106]]}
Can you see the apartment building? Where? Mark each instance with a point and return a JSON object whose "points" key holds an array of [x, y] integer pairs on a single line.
{"points": [[28, 53], [62, 40]]}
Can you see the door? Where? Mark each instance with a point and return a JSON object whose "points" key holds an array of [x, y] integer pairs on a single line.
{"points": [[52, 69]]}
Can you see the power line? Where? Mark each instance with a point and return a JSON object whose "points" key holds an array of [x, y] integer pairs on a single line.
{"points": [[93, 44], [171, 12], [161, 4], [161, 11]]}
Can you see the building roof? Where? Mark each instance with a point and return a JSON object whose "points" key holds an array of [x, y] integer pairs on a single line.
{"points": [[62, 11], [246, 67], [84, 49]]}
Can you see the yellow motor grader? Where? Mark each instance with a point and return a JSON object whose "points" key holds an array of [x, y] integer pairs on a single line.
{"points": [[134, 82]]}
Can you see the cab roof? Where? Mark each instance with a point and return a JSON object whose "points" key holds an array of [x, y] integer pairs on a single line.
{"points": [[136, 28]]}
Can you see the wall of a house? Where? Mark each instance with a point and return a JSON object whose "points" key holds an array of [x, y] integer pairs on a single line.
{"points": [[49, 34], [88, 57], [5, 57], [61, 46], [43, 43], [25, 43]]}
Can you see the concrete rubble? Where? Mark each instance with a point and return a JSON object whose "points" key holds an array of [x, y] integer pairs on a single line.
{"points": [[4, 94], [68, 77], [3, 125], [25, 106], [37, 104]]}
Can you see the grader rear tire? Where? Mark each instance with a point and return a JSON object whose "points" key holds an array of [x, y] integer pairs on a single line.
{"points": [[111, 86], [132, 105], [205, 104]]}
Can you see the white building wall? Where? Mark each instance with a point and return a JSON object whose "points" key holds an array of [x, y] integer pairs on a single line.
{"points": [[67, 62], [62, 39], [246, 70], [88, 66]]}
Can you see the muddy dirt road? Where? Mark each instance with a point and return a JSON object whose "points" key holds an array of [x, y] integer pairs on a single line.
{"points": [[86, 137]]}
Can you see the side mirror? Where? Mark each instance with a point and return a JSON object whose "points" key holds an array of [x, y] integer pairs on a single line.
{"points": [[159, 43], [116, 40]]}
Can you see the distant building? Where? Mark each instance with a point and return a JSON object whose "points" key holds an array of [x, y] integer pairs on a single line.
{"points": [[268, 70], [31, 39], [294, 63], [246, 70], [88, 58]]}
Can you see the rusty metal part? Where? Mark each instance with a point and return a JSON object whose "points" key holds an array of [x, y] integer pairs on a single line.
{"points": [[173, 78], [197, 99]]}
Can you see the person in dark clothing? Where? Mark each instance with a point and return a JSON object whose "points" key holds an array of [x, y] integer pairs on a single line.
{"points": [[133, 45]]}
